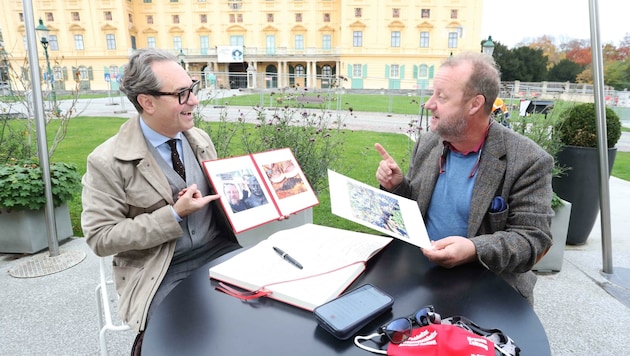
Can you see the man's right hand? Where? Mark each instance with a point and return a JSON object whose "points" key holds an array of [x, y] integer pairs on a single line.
{"points": [[388, 174], [190, 200]]}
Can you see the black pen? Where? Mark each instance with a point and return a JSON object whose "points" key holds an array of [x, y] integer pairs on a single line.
{"points": [[288, 258]]}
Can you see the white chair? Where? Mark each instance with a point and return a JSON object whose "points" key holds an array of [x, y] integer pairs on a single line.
{"points": [[103, 301]]}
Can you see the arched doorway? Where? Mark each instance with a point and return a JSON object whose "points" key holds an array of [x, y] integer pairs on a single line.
{"points": [[238, 75], [271, 76]]}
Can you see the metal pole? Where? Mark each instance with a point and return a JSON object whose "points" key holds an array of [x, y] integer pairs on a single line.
{"points": [[600, 107], [38, 108]]}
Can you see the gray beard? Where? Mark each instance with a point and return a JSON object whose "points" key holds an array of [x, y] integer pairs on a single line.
{"points": [[456, 128]]}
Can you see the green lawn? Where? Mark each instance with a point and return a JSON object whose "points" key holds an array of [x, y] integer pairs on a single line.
{"points": [[396, 104], [361, 160], [85, 133]]}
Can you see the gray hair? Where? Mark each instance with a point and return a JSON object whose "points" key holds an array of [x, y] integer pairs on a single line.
{"points": [[485, 78], [138, 78]]}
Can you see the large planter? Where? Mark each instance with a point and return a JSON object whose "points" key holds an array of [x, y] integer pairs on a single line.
{"points": [[580, 186], [552, 261], [25, 231]]}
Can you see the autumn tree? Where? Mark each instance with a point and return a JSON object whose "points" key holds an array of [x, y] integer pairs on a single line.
{"points": [[549, 49], [578, 51], [624, 47]]}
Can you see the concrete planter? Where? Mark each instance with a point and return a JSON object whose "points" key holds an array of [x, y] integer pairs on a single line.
{"points": [[24, 231], [552, 262], [580, 186], [253, 236]]}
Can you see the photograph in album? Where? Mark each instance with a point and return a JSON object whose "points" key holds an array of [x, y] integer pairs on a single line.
{"points": [[261, 187]]}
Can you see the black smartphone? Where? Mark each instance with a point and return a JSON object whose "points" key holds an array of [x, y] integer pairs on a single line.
{"points": [[346, 314]]}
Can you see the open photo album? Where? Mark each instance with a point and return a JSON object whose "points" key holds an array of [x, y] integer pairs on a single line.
{"points": [[261, 187]]}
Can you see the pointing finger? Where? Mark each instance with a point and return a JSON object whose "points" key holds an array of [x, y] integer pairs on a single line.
{"points": [[382, 152]]}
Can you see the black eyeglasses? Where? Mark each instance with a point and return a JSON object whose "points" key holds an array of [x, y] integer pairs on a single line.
{"points": [[182, 95], [399, 330]]}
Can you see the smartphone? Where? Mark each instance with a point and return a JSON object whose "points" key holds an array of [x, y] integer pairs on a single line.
{"points": [[348, 313]]}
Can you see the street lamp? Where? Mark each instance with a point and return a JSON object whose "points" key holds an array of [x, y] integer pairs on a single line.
{"points": [[42, 32], [488, 46], [181, 57], [5, 72]]}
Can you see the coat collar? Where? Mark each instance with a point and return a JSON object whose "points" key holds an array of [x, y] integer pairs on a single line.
{"points": [[131, 145]]}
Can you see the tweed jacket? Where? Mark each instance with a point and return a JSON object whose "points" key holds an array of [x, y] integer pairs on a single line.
{"points": [[126, 213], [510, 242]]}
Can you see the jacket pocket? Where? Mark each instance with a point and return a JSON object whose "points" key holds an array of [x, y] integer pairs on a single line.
{"points": [[126, 279], [498, 221]]}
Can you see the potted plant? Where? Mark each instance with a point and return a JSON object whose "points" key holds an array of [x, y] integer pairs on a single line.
{"points": [[22, 203], [577, 130], [540, 129], [22, 198]]}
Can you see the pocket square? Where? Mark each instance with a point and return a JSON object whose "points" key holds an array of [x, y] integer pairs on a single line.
{"points": [[498, 204]]}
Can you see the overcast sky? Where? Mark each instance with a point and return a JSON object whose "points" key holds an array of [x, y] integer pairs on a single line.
{"points": [[513, 21]]}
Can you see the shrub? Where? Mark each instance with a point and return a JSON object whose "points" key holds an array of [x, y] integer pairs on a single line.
{"points": [[578, 126], [23, 185]]}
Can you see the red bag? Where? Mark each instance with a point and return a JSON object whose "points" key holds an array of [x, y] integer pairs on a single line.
{"points": [[436, 340], [443, 340]]}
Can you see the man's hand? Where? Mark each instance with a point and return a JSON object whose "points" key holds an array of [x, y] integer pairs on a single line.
{"points": [[190, 200], [388, 173], [451, 251]]}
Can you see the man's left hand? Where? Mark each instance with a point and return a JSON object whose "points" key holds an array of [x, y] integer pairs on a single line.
{"points": [[451, 251], [190, 200]]}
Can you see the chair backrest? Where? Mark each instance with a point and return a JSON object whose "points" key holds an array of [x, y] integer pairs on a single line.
{"points": [[103, 300]]}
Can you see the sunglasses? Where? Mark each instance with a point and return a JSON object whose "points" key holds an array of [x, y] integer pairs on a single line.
{"points": [[182, 95], [399, 330]]}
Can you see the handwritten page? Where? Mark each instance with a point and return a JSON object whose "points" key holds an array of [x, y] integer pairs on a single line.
{"points": [[331, 258]]}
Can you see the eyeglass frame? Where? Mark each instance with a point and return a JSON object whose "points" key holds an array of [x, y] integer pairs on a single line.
{"points": [[194, 88], [428, 316]]}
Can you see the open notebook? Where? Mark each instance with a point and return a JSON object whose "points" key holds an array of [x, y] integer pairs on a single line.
{"points": [[331, 258]]}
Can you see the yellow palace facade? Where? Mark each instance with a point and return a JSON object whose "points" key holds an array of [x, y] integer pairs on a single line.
{"points": [[250, 44]]}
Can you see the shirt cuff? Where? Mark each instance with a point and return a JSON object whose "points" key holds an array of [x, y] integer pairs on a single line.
{"points": [[179, 219]]}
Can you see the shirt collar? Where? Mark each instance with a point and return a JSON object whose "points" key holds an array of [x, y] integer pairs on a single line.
{"points": [[474, 150], [153, 136]]}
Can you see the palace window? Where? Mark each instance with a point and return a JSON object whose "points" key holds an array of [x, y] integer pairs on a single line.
{"points": [[357, 39], [395, 39], [424, 39]]}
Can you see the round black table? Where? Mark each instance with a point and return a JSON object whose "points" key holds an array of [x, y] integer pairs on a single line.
{"points": [[196, 319]]}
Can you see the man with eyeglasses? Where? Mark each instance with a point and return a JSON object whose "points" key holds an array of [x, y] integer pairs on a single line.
{"points": [[146, 200], [484, 191]]}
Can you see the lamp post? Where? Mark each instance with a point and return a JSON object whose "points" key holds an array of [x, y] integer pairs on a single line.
{"points": [[181, 57], [5, 73], [488, 46], [43, 32]]}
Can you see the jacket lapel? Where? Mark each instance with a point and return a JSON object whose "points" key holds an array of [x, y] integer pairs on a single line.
{"points": [[131, 146], [489, 181]]}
